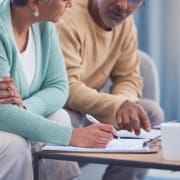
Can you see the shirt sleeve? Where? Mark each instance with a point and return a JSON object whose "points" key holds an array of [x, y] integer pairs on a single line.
{"points": [[32, 126], [54, 90], [27, 123], [88, 100], [125, 76]]}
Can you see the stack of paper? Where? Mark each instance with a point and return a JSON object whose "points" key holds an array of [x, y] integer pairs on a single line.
{"points": [[129, 142], [154, 133], [116, 145]]}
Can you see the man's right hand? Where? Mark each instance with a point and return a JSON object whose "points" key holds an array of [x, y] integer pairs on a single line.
{"points": [[131, 116]]}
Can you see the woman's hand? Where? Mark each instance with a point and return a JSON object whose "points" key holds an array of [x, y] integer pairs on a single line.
{"points": [[9, 94], [94, 136]]}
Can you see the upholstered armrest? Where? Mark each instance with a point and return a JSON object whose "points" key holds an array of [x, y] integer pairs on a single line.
{"points": [[150, 77]]}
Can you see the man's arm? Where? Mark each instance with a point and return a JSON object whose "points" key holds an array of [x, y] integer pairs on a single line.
{"points": [[127, 80], [82, 98], [125, 75]]}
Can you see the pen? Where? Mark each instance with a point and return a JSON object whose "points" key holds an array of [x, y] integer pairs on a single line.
{"points": [[152, 142], [95, 121], [92, 119]]}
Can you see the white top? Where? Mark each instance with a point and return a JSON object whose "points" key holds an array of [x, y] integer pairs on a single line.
{"points": [[28, 58]]}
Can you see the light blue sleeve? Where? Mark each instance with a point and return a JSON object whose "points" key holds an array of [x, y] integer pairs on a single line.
{"points": [[29, 124], [54, 90]]}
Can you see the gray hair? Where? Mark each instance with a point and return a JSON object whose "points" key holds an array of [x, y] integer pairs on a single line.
{"points": [[19, 2], [24, 2]]}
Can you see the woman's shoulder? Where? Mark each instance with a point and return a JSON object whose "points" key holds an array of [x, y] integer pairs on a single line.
{"points": [[5, 18], [44, 27], [45, 34], [5, 32]]}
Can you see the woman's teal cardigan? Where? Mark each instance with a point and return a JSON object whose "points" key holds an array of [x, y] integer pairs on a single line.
{"points": [[48, 91]]}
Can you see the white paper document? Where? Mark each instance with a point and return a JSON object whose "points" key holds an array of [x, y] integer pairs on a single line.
{"points": [[128, 142], [154, 133], [116, 145]]}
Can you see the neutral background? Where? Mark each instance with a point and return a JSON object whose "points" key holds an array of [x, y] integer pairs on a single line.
{"points": [[158, 23]]}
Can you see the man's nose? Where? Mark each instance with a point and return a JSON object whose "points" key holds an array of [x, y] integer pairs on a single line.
{"points": [[123, 4]]}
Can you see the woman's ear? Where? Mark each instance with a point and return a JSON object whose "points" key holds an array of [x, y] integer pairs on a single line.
{"points": [[34, 4], [36, 1]]}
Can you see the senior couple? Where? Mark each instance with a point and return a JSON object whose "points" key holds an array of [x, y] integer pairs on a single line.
{"points": [[99, 41]]}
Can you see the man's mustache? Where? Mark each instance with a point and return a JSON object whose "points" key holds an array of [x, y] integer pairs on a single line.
{"points": [[123, 13]]}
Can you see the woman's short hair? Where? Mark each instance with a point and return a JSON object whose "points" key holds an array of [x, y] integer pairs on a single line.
{"points": [[23, 2], [19, 2]]}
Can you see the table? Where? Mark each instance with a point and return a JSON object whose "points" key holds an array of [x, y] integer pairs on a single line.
{"points": [[140, 160]]}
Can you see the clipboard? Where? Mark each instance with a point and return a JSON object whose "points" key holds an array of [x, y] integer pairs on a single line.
{"points": [[115, 146]]}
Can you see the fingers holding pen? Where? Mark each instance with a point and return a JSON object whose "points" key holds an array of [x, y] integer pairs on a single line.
{"points": [[103, 133], [95, 135], [107, 129]]}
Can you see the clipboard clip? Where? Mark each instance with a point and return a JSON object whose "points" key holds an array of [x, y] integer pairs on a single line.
{"points": [[153, 143]]}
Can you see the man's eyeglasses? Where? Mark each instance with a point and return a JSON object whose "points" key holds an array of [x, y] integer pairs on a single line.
{"points": [[136, 3]]}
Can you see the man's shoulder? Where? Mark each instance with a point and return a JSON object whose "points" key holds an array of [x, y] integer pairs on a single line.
{"points": [[78, 10]]}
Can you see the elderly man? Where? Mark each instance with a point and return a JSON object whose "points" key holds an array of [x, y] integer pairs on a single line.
{"points": [[99, 41]]}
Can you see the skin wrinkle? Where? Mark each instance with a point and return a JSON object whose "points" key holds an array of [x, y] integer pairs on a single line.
{"points": [[110, 14]]}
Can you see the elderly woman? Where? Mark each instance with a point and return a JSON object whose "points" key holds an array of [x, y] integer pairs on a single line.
{"points": [[34, 88]]}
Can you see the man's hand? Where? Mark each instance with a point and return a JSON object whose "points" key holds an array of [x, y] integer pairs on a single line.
{"points": [[132, 117], [9, 94]]}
